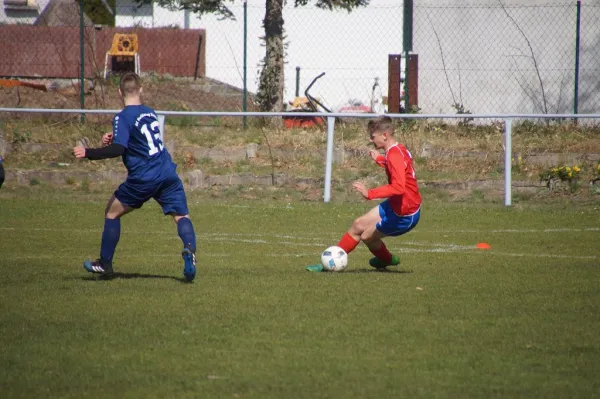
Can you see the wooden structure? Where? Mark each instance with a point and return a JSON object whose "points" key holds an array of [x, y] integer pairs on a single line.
{"points": [[123, 51]]}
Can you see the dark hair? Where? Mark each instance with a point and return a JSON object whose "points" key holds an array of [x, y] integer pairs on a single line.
{"points": [[381, 124], [130, 83]]}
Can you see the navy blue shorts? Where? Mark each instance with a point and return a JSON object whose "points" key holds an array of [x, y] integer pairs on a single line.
{"points": [[169, 193], [394, 225]]}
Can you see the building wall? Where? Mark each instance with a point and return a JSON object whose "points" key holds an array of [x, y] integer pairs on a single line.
{"points": [[488, 64], [22, 17], [476, 56]]}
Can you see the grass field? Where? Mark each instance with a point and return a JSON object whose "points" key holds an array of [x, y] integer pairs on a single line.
{"points": [[520, 320]]}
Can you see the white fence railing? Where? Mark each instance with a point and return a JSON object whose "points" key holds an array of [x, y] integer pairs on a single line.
{"points": [[330, 117]]}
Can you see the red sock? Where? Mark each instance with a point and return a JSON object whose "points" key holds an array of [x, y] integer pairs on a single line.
{"points": [[348, 243], [382, 253]]}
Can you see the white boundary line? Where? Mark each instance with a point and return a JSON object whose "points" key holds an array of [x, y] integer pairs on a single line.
{"points": [[315, 254], [508, 231], [422, 247]]}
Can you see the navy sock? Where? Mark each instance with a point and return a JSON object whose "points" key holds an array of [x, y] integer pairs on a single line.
{"points": [[110, 238], [185, 229]]}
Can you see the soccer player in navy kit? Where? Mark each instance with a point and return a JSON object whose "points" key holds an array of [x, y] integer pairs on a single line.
{"points": [[150, 174]]}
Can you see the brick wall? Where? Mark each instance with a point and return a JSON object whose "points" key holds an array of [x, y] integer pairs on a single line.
{"points": [[53, 52]]}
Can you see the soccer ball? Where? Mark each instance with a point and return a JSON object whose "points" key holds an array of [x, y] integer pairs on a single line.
{"points": [[334, 259]]}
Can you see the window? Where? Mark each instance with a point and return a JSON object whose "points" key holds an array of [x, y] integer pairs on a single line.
{"points": [[20, 5]]}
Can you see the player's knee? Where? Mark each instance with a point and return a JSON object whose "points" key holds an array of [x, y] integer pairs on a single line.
{"points": [[358, 226], [366, 237]]}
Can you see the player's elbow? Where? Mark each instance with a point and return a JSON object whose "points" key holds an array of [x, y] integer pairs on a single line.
{"points": [[398, 189], [120, 150]]}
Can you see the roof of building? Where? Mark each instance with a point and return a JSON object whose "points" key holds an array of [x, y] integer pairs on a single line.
{"points": [[62, 13]]}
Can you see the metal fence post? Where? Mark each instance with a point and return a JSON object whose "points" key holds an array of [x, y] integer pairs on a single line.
{"points": [[161, 126], [577, 42], [329, 158], [245, 96], [82, 61], [507, 162], [297, 81]]}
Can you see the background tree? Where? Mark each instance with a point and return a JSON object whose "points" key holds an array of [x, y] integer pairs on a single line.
{"points": [[101, 12], [271, 82]]}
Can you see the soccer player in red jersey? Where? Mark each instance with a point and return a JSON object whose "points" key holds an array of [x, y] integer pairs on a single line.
{"points": [[401, 210]]}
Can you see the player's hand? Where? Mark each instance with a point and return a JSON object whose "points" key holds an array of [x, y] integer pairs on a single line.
{"points": [[374, 154], [107, 139], [79, 152], [362, 189]]}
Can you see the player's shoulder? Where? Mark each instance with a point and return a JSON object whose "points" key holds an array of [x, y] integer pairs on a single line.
{"points": [[396, 150], [147, 108], [124, 115], [144, 110], [402, 150], [401, 147]]}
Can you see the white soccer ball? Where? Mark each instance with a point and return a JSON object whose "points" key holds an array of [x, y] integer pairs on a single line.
{"points": [[334, 259]]}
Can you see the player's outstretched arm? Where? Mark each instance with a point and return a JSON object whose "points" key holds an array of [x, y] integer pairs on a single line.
{"points": [[111, 151]]}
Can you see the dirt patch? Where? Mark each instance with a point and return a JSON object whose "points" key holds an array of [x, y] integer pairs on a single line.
{"points": [[181, 94]]}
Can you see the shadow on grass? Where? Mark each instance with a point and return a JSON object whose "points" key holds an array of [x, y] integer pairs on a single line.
{"points": [[127, 276], [378, 271]]}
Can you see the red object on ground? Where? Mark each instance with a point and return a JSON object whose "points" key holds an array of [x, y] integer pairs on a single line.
{"points": [[301, 121], [483, 245]]}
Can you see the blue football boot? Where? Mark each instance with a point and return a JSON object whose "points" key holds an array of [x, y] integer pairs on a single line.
{"points": [[98, 267], [189, 264]]}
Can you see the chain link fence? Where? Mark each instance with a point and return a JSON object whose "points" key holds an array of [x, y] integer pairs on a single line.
{"points": [[507, 58], [486, 57]]}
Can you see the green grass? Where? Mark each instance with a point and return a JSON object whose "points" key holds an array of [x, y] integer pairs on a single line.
{"points": [[521, 320]]}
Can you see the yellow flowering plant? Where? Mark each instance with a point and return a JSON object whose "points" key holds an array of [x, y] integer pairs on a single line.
{"points": [[568, 174]]}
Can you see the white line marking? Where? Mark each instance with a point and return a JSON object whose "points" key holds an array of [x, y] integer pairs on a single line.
{"points": [[463, 250], [508, 231], [426, 247]]}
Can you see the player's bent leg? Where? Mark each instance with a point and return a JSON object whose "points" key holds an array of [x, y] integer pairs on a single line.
{"points": [[383, 257], [115, 208], [391, 225], [352, 237], [364, 222], [171, 197]]}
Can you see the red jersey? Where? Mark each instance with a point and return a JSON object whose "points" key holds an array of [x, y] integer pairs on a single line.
{"points": [[402, 189]]}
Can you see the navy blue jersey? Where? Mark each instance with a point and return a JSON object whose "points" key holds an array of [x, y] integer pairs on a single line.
{"points": [[137, 129]]}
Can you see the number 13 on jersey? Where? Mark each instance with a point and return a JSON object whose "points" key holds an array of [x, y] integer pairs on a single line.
{"points": [[152, 133]]}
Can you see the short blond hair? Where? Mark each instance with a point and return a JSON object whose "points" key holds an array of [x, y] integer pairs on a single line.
{"points": [[381, 124], [130, 84]]}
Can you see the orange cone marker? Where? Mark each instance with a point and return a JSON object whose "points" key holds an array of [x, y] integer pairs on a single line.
{"points": [[483, 245]]}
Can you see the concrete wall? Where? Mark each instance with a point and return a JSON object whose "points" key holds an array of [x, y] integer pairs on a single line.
{"points": [[477, 56]]}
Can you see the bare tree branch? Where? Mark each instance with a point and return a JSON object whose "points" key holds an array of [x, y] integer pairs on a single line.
{"points": [[560, 92], [535, 64], [527, 89], [443, 61]]}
